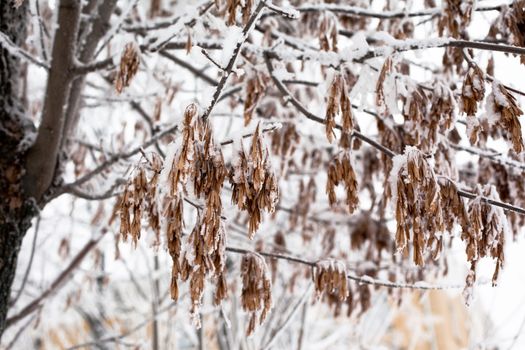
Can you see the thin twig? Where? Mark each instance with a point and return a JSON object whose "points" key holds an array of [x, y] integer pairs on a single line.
{"points": [[57, 283], [30, 263], [286, 322], [229, 67]]}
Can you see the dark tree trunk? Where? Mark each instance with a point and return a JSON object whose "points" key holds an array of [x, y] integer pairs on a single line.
{"points": [[15, 211]]}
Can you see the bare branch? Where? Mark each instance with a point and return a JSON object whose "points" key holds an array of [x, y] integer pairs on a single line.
{"points": [[229, 67], [57, 283]]}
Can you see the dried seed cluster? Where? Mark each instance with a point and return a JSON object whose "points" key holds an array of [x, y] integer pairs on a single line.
{"points": [[231, 7], [129, 66], [473, 90], [330, 277], [510, 24], [341, 171], [417, 204], [328, 32], [338, 103], [456, 17], [504, 106], [380, 89], [255, 89], [256, 294], [201, 161], [254, 184], [135, 201], [486, 233]]}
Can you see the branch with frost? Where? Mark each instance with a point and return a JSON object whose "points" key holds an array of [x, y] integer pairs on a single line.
{"points": [[359, 279], [231, 63], [289, 12], [363, 12], [17, 51], [112, 160], [467, 193], [495, 157]]}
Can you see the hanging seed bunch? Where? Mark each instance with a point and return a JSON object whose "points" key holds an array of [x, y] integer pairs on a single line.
{"points": [[180, 168], [506, 111], [510, 24], [417, 204], [199, 162], [341, 171], [456, 17], [231, 8], [473, 90], [129, 66], [338, 103], [328, 32], [330, 277], [133, 203], [487, 231], [386, 69], [254, 184], [415, 112], [453, 206], [256, 294], [443, 110], [255, 90]]}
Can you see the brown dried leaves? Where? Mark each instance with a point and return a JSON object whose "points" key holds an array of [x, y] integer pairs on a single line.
{"points": [[338, 103], [138, 196], [380, 90], [487, 230], [341, 171], [255, 90], [198, 159], [473, 90], [418, 204], [504, 105], [129, 66], [328, 32], [256, 294], [330, 278], [456, 17], [254, 184], [231, 10]]}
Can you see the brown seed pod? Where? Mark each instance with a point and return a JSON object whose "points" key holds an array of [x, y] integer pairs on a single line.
{"points": [[256, 294], [129, 66]]}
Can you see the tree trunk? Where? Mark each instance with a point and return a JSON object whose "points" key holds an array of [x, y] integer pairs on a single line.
{"points": [[15, 211]]}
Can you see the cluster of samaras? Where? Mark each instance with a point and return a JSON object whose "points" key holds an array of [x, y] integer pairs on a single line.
{"points": [[197, 160]]}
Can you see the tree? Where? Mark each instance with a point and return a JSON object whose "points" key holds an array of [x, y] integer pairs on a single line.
{"points": [[345, 155]]}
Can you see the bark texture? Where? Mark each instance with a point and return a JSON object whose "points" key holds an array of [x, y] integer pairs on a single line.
{"points": [[15, 212]]}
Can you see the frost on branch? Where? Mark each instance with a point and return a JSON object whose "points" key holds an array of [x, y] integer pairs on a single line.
{"points": [[129, 66], [506, 111], [254, 184], [256, 294]]}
